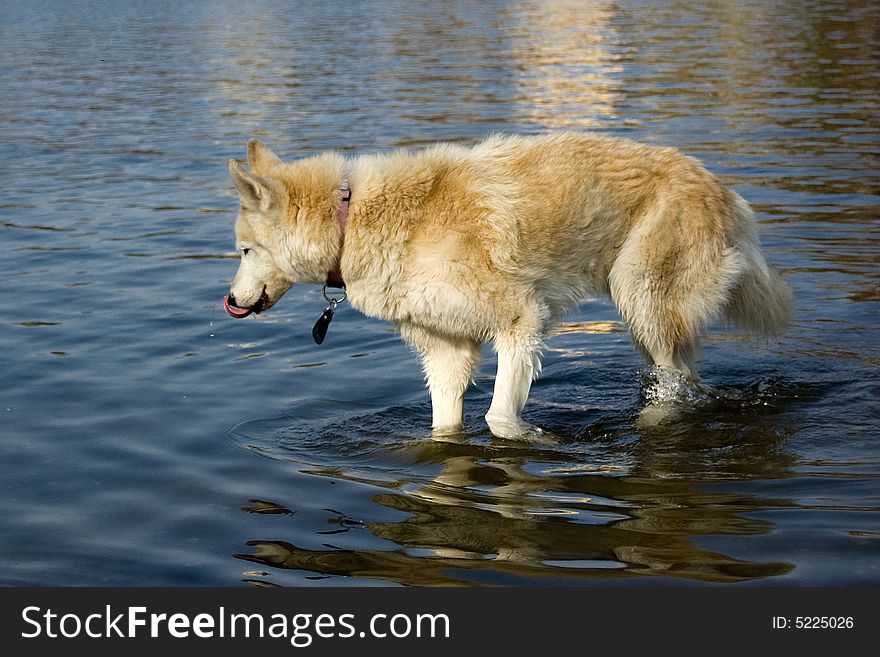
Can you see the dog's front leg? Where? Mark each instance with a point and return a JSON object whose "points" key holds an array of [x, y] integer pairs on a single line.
{"points": [[518, 365], [449, 364]]}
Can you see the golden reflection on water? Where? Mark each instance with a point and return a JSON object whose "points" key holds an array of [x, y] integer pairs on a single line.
{"points": [[561, 63], [587, 327]]}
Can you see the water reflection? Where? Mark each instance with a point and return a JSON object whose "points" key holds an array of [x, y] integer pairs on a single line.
{"points": [[632, 503], [562, 63]]}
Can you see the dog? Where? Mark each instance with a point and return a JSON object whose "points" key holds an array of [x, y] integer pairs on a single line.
{"points": [[458, 246]]}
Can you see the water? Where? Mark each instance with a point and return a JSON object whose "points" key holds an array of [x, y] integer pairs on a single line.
{"points": [[134, 411]]}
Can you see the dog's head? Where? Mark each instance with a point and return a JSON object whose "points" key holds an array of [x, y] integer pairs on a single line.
{"points": [[286, 230], [260, 280]]}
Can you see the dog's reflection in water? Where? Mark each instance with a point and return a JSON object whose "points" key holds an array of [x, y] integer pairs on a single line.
{"points": [[488, 519]]}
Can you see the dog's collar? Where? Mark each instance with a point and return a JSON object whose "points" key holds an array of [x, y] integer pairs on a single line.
{"points": [[334, 277]]}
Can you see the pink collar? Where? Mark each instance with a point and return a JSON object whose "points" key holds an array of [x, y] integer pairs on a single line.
{"points": [[334, 278]]}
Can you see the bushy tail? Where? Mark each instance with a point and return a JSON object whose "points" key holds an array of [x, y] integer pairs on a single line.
{"points": [[761, 302]]}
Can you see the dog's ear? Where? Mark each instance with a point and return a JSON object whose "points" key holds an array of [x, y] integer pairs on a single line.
{"points": [[260, 157], [256, 193]]}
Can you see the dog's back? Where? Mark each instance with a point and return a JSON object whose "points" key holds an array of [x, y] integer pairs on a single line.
{"points": [[649, 225]]}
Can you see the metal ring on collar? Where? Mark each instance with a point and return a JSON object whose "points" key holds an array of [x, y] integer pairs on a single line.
{"points": [[332, 299]]}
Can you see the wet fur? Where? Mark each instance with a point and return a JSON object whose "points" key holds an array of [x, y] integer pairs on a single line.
{"points": [[459, 246]]}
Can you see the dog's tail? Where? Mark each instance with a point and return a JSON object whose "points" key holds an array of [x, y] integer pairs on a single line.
{"points": [[761, 302]]}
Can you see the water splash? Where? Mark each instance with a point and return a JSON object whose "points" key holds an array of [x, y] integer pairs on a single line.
{"points": [[663, 386]]}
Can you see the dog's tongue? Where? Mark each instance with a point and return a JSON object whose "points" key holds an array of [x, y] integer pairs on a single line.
{"points": [[235, 311]]}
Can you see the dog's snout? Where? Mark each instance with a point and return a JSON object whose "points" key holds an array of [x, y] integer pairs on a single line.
{"points": [[231, 299]]}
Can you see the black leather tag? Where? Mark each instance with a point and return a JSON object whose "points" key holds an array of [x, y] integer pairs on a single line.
{"points": [[319, 330]]}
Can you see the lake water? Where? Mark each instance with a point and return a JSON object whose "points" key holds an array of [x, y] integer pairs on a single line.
{"points": [[149, 439]]}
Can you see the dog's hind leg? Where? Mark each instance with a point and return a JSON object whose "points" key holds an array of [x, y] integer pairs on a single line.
{"points": [[672, 276], [448, 363], [679, 357]]}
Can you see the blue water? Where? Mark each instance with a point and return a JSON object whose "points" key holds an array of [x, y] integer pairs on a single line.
{"points": [[134, 412]]}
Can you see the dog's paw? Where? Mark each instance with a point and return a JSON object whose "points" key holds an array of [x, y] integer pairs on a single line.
{"points": [[655, 415], [452, 434], [516, 429]]}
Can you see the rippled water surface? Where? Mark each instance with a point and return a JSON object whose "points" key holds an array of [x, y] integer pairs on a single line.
{"points": [[134, 412]]}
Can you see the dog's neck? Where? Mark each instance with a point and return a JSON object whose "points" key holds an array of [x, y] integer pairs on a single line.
{"points": [[334, 277]]}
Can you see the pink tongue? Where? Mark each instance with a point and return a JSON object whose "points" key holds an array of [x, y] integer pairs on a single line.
{"points": [[235, 311]]}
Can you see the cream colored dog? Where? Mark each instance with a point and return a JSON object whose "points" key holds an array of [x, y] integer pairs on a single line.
{"points": [[459, 246]]}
